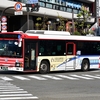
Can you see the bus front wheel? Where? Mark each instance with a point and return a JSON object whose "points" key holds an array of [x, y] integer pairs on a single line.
{"points": [[85, 65], [44, 67]]}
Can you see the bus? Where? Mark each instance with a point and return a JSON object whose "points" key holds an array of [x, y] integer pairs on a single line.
{"points": [[45, 51]]}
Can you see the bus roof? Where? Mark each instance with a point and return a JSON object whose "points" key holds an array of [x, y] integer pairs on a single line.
{"points": [[45, 32], [60, 35], [54, 35]]}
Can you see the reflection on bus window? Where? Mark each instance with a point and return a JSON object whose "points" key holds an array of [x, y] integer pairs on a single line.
{"points": [[10, 48]]}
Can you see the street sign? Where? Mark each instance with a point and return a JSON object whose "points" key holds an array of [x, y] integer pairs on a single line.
{"points": [[18, 13], [4, 27], [4, 19], [31, 1], [18, 6]]}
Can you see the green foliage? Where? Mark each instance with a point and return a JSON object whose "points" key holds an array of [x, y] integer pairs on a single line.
{"points": [[81, 22], [41, 23], [61, 23], [76, 33]]}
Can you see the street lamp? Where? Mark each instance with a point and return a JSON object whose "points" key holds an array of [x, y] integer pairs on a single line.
{"points": [[49, 22]]}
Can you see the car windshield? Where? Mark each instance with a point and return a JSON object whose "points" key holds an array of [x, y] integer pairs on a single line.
{"points": [[10, 48]]}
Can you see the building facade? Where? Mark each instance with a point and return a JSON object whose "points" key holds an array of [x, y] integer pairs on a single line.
{"points": [[49, 9]]}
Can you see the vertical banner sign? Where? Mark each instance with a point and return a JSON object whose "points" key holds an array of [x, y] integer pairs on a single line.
{"points": [[4, 24]]}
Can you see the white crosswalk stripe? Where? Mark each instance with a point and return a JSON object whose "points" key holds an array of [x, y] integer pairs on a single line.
{"points": [[97, 77], [9, 91], [46, 77], [37, 77], [6, 78], [67, 77], [52, 77], [78, 76], [21, 78]]}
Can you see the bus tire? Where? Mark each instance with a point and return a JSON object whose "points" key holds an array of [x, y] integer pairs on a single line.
{"points": [[85, 65], [44, 67]]}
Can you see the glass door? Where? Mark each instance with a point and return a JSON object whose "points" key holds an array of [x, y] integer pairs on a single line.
{"points": [[30, 56], [70, 55]]}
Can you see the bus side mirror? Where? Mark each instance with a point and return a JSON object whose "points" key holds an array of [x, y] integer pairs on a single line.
{"points": [[78, 52]]}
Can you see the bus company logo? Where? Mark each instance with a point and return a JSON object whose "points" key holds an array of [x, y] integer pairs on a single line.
{"points": [[6, 60]]}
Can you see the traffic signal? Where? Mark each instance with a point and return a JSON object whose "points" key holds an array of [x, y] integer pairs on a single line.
{"points": [[34, 7]]}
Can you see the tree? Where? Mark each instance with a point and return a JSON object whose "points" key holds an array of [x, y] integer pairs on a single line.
{"points": [[81, 24], [61, 23]]}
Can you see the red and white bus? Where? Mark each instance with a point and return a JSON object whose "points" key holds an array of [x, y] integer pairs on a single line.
{"points": [[44, 51]]}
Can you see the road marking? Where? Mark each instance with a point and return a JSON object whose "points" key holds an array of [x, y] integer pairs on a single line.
{"points": [[12, 92], [67, 77], [16, 98], [87, 78], [97, 77], [21, 78], [6, 78], [52, 77], [15, 95], [37, 77]]}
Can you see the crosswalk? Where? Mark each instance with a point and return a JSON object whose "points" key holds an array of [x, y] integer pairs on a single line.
{"points": [[51, 77], [9, 91]]}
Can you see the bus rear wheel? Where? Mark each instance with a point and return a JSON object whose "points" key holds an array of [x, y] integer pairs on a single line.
{"points": [[44, 67], [85, 65]]}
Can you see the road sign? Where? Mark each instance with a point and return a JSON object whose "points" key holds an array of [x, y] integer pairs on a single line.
{"points": [[31, 1], [4, 27], [18, 6], [18, 13], [4, 19]]}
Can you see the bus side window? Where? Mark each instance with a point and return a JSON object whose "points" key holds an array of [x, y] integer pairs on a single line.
{"points": [[41, 51], [70, 49]]}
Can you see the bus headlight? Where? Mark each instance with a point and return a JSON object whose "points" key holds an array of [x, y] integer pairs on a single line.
{"points": [[18, 64]]}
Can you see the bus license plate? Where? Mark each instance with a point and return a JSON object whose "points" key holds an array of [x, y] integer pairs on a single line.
{"points": [[4, 68]]}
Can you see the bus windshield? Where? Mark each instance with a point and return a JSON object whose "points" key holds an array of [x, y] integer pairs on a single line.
{"points": [[10, 48]]}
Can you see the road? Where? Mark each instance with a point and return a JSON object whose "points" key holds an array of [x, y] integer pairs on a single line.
{"points": [[73, 85]]}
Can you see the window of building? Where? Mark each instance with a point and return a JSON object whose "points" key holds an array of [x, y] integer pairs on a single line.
{"points": [[69, 10]]}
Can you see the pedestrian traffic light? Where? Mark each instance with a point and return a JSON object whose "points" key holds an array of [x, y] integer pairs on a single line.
{"points": [[34, 7]]}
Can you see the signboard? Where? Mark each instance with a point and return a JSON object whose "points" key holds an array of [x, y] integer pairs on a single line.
{"points": [[4, 19], [18, 13], [4, 27], [18, 6], [31, 1]]}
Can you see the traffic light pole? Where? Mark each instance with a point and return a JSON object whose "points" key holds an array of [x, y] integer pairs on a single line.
{"points": [[27, 6], [27, 20]]}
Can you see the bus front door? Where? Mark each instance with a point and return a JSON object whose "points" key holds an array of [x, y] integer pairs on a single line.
{"points": [[30, 56], [70, 55]]}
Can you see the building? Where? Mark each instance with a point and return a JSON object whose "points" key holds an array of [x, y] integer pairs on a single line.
{"points": [[48, 8]]}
